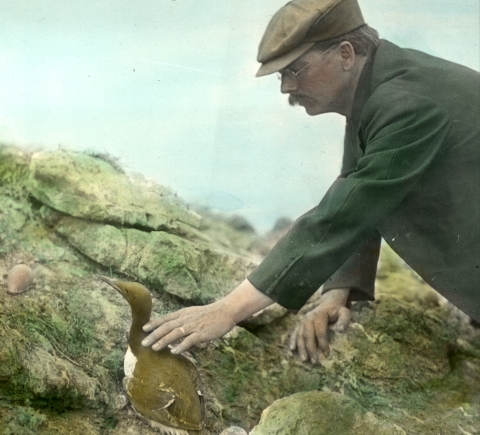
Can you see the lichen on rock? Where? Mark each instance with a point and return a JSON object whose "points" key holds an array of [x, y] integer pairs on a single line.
{"points": [[319, 413], [91, 188], [189, 270]]}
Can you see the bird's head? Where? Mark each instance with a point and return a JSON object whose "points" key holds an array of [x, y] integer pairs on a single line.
{"points": [[134, 293]]}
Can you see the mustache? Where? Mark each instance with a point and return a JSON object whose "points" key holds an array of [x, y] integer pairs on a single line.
{"points": [[294, 99]]}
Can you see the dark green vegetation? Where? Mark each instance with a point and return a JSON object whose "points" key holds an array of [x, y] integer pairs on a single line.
{"points": [[409, 358]]}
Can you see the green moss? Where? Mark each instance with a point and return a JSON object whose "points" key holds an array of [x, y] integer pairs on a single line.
{"points": [[247, 374], [63, 325], [315, 412], [70, 330], [113, 361], [24, 420], [13, 165]]}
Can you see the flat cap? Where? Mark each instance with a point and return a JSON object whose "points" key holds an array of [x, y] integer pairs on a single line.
{"points": [[298, 25]]}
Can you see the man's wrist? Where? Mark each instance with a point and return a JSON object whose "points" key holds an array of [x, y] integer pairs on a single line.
{"points": [[336, 295], [244, 301]]}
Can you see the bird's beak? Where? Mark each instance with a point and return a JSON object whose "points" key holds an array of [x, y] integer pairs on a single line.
{"points": [[110, 282]]}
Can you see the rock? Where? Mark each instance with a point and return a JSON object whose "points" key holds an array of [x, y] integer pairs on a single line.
{"points": [[408, 357], [52, 376], [91, 188], [282, 224], [9, 357], [163, 261], [265, 316], [13, 218], [53, 343], [13, 168], [233, 430], [120, 401], [241, 224], [231, 232], [319, 413], [281, 227]]}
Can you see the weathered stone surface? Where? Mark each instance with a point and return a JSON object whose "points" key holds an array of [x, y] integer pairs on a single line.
{"points": [[319, 413], [232, 233], [265, 316], [91, 188], [234, 430], [12, 220], [13, 168], [54, 344], [49, 375], [164, 261]]}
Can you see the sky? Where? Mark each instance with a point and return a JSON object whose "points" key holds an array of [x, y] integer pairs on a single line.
{"points": [[168, 87]]}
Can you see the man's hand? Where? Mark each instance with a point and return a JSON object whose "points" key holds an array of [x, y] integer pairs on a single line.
{"points": [[193, 324], [196, 325], [310, 337]]}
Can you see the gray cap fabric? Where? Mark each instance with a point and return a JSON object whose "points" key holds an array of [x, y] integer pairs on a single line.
{"points": [[298, 25]]}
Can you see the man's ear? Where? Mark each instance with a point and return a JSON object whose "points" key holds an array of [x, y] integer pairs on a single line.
{"points": [[347, 52]]}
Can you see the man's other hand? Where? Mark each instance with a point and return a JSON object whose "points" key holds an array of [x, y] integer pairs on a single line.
{"points": [[310, 336]]}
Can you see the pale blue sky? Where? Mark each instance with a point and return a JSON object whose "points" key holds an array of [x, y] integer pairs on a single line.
{"points": [[168, 86]]}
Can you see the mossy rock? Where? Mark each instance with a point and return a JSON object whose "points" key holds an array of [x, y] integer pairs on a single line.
{"points": [[189, 270], [13, 218], [14, 166], [92, 188], [14, 206], [26, 420], [319, 413], [53, 342]]}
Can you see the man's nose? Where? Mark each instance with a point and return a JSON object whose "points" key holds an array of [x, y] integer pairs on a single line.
{"points": [[288, 85]]}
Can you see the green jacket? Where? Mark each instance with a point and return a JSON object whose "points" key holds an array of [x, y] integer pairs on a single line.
{"points": [[411, 172]]}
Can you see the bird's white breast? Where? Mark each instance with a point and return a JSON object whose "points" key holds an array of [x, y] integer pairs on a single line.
{"points": [[129, 362]]}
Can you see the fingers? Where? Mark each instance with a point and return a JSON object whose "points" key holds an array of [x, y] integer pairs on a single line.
{"points": [[305, 340], [293, 339], [155, 323], [187, 343], [194, 325], [169, 338], [321, 335], [305, 346], [302, 349], [310, 342], [344, 317], [310, 337], [321, 321], [164, 335]]}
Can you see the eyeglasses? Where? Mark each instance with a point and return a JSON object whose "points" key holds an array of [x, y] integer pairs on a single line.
{"points": [[294, 74]]}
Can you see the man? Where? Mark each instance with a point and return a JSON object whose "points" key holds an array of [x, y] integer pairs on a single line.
{"points": [[411, 174]]}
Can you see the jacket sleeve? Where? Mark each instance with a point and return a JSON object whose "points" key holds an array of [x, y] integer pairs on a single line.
{"points": [[359, 271], [402, 132]]}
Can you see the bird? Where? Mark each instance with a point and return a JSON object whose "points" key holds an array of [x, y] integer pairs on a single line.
{"points": [[162, 387]]}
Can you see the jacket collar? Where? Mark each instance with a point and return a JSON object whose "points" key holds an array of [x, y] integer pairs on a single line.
{"points": [[363, 91]]}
